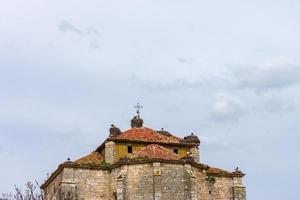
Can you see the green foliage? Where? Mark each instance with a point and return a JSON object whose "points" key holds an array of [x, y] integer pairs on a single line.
{"points": [[91, 164], [210, 179], [141, 158], [103, 163]]}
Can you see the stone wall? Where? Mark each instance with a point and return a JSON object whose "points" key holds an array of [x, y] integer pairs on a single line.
{"points": [[195, 153], [159, 181], [52, 190], [110, 152], [139, 182], [80, 184], [224, 188], [173, 181], [91, 184], [239, 191], [145, 181]]}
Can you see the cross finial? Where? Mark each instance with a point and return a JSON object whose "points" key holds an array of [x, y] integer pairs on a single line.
{"points": [[138, 107]]}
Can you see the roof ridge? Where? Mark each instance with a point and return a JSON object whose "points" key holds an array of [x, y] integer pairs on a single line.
{"points": [[146, 134]]}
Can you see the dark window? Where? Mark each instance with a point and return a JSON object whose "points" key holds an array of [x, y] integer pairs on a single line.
{"points": [[209, 192], [176, 151], [129, 149]]}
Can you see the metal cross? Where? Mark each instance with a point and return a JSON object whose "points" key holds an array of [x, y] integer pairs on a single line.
{"points": [[138, 107]]}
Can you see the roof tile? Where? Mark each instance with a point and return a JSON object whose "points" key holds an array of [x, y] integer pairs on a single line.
{"points": [[213, 170], [94, 158], [155, 151], [147, 135]]}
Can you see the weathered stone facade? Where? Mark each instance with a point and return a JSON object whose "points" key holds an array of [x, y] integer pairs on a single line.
{"points": [[155, 180], [110, 152], [152, 173]]}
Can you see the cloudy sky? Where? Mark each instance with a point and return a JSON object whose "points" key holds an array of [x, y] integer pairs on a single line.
{"points": [[226, 70]]}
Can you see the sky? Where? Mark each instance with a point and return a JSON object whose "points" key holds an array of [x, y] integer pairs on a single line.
{"points": [[228, 71]]}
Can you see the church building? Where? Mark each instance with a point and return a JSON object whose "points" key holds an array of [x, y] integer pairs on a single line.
{"points": [[143, 164]]}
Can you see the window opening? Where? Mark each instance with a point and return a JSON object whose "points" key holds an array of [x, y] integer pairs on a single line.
{"points": [[129, 149]]}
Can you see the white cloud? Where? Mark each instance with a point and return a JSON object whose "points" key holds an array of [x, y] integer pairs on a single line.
{"points": [[270, 76], [94, 44], [185, 59], [169, 85], [276, 103], [66, 26], [227, 108], [91, 34]]}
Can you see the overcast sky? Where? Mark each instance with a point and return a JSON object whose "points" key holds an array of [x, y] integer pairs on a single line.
{"points": [[226, 70]]}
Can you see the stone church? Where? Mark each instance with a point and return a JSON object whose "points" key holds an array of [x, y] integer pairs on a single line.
{"points": [[143, 164]]}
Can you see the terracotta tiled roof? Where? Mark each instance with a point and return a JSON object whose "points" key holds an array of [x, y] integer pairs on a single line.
{"points": [[94, 158], [155, 151], [217, 171], [147, 135]]}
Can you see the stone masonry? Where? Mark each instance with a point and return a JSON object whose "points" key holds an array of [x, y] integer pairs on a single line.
{"points": [[144, 181]]}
